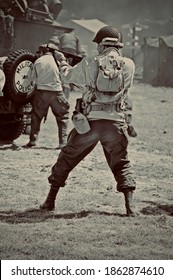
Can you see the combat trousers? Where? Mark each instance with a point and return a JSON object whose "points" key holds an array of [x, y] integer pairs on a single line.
{"points": [[60, 108], [114, 142]]}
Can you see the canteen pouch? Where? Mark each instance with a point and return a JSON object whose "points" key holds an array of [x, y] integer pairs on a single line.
{"points": [[80, 122]]}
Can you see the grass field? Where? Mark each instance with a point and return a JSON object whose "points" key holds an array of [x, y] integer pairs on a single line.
{"points": [[89, 220]]}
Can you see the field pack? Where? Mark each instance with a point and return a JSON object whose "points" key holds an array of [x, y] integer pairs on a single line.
{"points": [[110, 75]]}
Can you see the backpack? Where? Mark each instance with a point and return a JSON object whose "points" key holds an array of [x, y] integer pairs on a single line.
{"points": [[110, 76]]}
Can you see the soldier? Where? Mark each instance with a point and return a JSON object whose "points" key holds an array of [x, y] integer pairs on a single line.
{"points": [[48, 94], [70, 43], [107, 124]]}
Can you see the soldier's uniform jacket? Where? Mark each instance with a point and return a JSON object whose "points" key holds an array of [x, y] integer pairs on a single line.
{"points": [[85, 72], [46, 73]]}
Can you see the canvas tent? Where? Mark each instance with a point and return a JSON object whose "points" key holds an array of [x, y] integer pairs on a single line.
{"points": [[158, 61]]}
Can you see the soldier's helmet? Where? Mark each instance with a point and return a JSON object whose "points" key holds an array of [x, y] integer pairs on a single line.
{"points": [[47, 47], [108, 32], [54, 40]]}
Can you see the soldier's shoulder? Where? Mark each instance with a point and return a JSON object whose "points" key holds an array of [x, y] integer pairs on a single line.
{"points": [[128, 61], [91, 59]]}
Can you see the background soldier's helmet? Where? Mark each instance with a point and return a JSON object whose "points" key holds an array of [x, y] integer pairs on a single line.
{"points": [[109, 32], [54, 40], [47, 47]]}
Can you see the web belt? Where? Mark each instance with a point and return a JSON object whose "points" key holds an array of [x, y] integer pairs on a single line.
{"points": [[103, 107]]}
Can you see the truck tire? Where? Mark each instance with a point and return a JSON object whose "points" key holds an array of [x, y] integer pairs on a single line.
{"points": [[11, 127], [19, 87]]}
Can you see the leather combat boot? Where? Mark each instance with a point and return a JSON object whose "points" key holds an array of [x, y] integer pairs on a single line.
{"points": [[128, 195], [32, 141], [49, 204]]}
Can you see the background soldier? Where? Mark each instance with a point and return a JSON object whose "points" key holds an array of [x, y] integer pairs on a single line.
{"points": [[48, 94]]}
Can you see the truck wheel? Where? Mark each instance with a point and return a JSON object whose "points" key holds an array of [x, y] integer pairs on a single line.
{"points": [[19, 87], [11, 127]]}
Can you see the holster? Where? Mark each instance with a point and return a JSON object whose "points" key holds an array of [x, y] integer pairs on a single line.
{"points": [[78, 106]]}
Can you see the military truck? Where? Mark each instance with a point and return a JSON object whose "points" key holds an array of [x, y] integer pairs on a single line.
{"points": [[24, 25]]}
